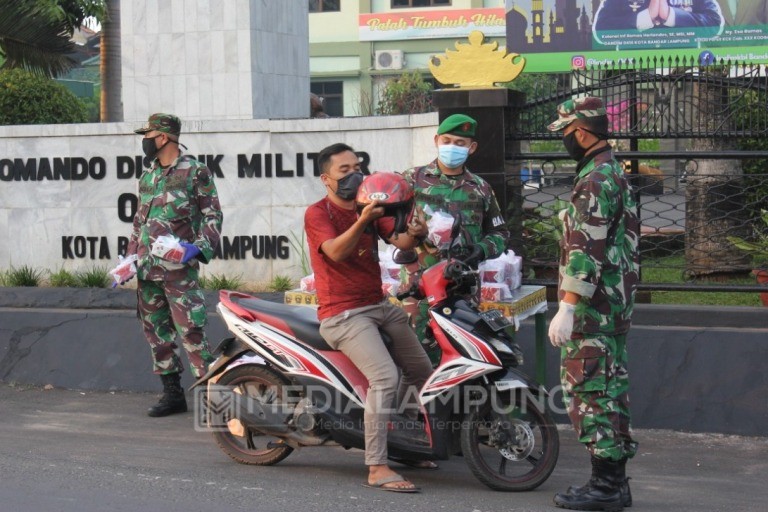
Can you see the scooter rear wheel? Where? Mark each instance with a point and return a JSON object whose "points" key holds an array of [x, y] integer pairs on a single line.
{"points": [[242, 443], [510, 443]]}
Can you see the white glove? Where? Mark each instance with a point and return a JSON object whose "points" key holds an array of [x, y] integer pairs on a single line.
{"points": [[561, 326]]}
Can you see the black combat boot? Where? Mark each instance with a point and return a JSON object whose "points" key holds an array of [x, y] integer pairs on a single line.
{"points": [[172, 401], [602, 492], [626, 494]]}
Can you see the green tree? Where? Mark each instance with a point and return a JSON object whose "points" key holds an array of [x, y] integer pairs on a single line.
{"points": [[35, 34], [26, 98], [407, 94], [752, 115], [34, 39]]}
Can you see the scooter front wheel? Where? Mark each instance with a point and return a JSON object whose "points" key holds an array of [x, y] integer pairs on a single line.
{"points": [[510, 442], [241, 442]]}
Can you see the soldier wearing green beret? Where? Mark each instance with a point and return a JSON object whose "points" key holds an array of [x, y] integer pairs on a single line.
{"points": [[598, 275], [177, 198], [447, 185]]}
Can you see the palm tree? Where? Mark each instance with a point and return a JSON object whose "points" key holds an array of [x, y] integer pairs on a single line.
{"points": [[36, 35], [34, 38], [111, 73]]}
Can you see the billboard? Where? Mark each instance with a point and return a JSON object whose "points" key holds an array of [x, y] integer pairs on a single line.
{"points": [[567, 34], [444, 23]]}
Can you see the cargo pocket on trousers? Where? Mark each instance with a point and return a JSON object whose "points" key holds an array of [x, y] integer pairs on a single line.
{"points": [[585, 370]]}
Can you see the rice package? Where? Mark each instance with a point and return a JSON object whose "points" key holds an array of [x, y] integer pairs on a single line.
{"points": [[168, 248], [390, 286], [389, 269], [493, 271], [440, 226], [513, 268], [125, 270], [307, 284], [494, 292]]}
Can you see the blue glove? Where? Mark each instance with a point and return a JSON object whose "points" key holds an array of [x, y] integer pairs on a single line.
{"points": [[190, 251]]}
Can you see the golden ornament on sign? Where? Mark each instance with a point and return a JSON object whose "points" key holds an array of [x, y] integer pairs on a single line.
{"points": [[476, 64]]}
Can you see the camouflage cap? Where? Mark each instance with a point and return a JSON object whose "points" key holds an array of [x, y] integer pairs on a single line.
{"points": [[577, 108], [166, 123], [458, 124]]}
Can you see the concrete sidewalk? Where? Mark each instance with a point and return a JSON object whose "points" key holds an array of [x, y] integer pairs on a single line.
{"points": [[67, 451]]}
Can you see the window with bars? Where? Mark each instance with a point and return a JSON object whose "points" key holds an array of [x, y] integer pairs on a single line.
{"points": [[404, 4], [332, 94], [324, 5]]}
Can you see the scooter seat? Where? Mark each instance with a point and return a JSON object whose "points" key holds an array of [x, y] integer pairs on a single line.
{"points": [[301, 320]]}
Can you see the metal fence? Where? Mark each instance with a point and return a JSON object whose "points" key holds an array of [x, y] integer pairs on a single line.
{"points": [[693, 140]]}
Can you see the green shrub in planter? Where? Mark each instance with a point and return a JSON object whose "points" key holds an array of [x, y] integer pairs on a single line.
{"points": [[23, 276]]}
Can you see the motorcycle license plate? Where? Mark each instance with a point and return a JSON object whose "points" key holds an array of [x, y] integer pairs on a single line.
{"points": [[495, 319]]}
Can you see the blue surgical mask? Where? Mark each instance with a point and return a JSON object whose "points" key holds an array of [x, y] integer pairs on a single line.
{"points": [[452, 156]]}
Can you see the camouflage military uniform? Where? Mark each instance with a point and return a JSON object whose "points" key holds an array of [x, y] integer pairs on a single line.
{"points": [[181, 201], [467, 196], [599, 262]]}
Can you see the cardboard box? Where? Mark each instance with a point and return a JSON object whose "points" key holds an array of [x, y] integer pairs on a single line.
{"points": [[526, 301], [300, 298]]}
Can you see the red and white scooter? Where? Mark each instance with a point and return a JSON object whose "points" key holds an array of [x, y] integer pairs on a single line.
{"points": [[277, 386]]}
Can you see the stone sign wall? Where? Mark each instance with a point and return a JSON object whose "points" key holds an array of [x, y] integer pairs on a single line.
{"points": [[68, 192]]}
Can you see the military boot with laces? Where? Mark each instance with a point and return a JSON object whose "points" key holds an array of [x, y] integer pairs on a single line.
{"points": [[602, 492], [626, 493], [172, 401]]}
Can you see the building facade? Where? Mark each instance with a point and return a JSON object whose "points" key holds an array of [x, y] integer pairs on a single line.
{"points": [[357, 46]]}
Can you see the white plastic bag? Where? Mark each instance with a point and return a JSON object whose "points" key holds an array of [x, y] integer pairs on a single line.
{"points": [[125, 269], [440, 226], [168, 248]]}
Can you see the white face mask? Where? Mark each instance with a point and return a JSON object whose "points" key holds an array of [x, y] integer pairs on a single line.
{"points": [[452, 156]]}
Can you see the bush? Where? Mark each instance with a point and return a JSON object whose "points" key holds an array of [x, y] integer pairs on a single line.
{"points": [[281, 283], [751, 113], [221, 282], [96, 277], [63, 279], [23, 276], [542, 232], [408, 94], [26, 98]]}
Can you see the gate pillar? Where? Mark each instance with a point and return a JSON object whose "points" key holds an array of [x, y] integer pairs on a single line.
{"points": [[496, 112]]}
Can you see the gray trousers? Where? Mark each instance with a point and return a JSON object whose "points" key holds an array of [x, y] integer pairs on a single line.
{"points": [[356, 334]]}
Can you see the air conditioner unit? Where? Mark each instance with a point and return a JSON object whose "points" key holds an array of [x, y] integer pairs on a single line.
{"points": [[388, 59]]}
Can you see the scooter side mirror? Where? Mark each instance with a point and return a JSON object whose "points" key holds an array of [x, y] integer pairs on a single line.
{"points": [[402, 257]]}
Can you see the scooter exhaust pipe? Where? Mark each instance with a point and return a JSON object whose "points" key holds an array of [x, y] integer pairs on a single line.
{"points": [[270, 420], [267, 418]]}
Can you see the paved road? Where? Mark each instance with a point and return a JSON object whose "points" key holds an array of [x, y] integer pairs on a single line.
{"points": [[67, 451]]}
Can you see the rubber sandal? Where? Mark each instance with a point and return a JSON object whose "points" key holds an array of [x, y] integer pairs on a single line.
{"points": [[380, 484]]}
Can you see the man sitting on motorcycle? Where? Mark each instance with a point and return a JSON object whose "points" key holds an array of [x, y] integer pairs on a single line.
{"points": [[352, 308]]}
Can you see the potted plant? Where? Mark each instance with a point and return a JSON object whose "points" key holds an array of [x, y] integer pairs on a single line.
{"points": [[757, 246]]}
